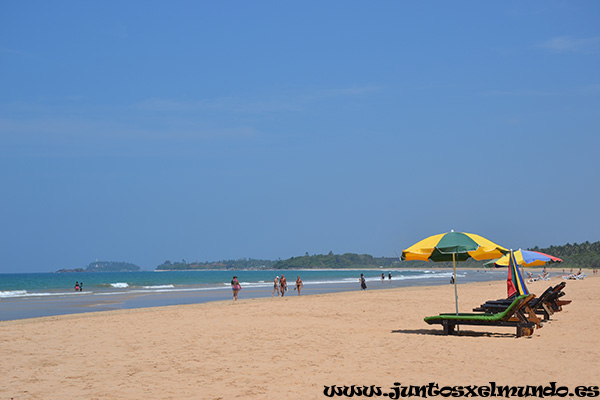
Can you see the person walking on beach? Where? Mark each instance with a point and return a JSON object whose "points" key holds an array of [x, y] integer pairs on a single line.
{"points": [[299, 285], [390, 276], [235, 287], [363, 283], [275, 286], [81, 286], [382, 277], [282, 285]]}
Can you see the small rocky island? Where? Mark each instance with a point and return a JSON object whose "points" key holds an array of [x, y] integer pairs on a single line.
{"points": [[104, 266]]}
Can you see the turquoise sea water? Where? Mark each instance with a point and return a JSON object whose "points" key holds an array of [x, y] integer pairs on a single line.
{"points": [[44, 294], [62, 284]]}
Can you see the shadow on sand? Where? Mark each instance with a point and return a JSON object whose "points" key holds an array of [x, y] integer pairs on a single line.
{"points": [[467, 333]]}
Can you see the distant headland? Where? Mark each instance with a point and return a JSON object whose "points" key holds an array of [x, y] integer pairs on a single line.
{"points": [[104, 266]]}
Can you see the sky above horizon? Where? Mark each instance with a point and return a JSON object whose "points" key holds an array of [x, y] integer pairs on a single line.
{"points": [[152, 131]]}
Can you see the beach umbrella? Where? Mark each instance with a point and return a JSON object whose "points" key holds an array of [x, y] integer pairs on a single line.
{"points": [[515, 283], [453, 246], [526, 258]]}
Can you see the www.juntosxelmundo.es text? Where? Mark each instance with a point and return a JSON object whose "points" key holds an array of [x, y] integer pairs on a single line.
{"points": [[433, 389]]}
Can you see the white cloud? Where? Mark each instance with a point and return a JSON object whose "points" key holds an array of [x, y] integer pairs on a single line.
{"points": [[564, 44]]}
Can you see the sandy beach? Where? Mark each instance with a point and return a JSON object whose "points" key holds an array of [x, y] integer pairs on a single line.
{"points": [[293, 347]]}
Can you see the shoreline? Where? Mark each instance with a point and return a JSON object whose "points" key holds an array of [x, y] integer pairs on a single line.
{"points": [[33, 306], [295, 346]]}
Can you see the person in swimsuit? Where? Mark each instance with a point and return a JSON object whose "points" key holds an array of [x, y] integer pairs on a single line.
{"points": [[283, 285], [382, 277], [275, 286], [77, 286], [235, 287], [363, 283], [299, 285]]}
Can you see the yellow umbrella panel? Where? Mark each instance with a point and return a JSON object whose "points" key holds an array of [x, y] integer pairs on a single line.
{"points": [[462, 245], [454, 246]]}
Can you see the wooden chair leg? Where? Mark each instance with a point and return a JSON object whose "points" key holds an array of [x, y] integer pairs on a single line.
{"points": [[547, 310], [532, 317], [448, 328]]}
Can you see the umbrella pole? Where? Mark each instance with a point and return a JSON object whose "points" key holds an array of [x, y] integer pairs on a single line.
{"points": [[455, 289]]}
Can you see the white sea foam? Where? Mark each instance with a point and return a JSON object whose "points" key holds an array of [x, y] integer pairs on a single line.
{"points": [[120, 285], [13, 293], [158, 287], [434, 276], [25, 293], [254, 284]]}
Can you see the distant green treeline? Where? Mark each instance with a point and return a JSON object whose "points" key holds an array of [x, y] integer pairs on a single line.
{"points": [[332, 261], [242, 263], [583, 255]]}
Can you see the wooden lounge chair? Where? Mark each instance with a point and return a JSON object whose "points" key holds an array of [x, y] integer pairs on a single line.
{"points": [[539, 305], [514, 315], [545, 305], [555, 302]]}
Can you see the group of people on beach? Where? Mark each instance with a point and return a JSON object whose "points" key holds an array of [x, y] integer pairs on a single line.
{"points": [[544, 276], [280, 285], [577, 276], [383, 277], [79, 286], [363, 281]]}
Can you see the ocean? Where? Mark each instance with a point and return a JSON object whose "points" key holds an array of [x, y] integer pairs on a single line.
{"points": [[30, 295]]}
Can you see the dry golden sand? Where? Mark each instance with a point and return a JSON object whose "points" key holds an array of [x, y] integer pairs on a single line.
{"points": [[291, 347]]}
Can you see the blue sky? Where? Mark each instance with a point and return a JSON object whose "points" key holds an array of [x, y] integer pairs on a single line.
{"points": [[152, 131]]}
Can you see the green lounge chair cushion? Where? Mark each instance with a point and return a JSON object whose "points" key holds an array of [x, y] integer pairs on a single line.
{"points": [[479, 317]]}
